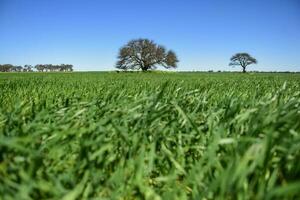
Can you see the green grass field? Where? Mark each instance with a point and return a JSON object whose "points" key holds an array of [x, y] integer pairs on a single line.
{"points": [[149, 136]]}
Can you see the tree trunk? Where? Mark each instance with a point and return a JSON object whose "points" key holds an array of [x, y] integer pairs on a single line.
{"points": [[145, 68], [244, 69]]}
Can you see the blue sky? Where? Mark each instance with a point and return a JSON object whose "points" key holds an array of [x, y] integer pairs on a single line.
{"points": [[204, 34]]}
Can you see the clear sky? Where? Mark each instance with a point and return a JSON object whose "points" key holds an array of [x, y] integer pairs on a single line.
{"points": [[204, 34]]}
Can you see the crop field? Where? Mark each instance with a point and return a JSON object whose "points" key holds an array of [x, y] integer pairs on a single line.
{"points": [[149, 136]]}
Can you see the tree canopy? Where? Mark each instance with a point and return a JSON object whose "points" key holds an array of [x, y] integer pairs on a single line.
{"points": [[144, 54], [243, 60]]}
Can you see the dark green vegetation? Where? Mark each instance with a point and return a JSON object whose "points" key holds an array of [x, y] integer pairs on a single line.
{"points": [[39, 68], [149, 136]]}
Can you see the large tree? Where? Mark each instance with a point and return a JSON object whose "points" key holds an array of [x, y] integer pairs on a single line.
{"points": [[144, 54], [243, 60]]}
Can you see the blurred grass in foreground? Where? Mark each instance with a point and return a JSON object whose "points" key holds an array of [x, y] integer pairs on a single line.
{"points": [[149, 136]]}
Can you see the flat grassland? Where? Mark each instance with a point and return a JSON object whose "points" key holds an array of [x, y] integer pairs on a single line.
{"points": [[149, 136]]}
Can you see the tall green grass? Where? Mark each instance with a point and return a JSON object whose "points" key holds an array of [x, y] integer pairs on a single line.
{"points": [[149, 136]]}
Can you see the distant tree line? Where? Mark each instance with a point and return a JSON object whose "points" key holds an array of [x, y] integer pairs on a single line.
{"points": [[38, 67], [10, 68], [51, 68]]}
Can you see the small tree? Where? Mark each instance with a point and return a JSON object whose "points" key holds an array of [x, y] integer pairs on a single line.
{"points": [[27, 68], [144, 54], [243, 60]]}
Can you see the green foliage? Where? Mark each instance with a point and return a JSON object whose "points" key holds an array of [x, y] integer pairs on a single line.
{"points": [[144, 54], [149, 136]]}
